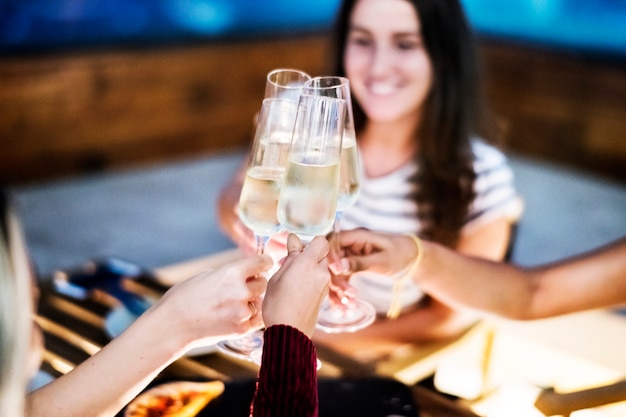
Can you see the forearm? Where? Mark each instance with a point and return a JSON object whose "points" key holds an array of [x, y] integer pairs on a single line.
{"points": [[477, 283], [593, 279], [287, 384], [103, 384], [227, 203], [473, 275]]}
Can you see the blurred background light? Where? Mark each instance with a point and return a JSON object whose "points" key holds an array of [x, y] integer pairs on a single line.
{"points": [[579, 25]]}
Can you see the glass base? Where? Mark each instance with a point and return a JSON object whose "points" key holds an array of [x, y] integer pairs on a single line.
{"points": [[242, 347], [356, 315]]}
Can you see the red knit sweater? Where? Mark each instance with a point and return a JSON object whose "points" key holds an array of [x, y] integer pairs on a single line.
{"points": [[287, 383]]}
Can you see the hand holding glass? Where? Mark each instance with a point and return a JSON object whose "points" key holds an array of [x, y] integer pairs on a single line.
{"points": [[259, 195]]}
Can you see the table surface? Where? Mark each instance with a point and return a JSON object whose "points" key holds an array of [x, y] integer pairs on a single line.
{"points": [[571, 352], [74, 329]]}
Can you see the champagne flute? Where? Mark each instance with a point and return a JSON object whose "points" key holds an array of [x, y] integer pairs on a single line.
{"points": [[285, 84], [260, 189], [350, 313], [259, 195], [308, 197]]}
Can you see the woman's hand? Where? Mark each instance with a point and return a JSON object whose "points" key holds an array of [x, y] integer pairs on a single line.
{"points": [[295, 292], [218, 303], [364, 250]]}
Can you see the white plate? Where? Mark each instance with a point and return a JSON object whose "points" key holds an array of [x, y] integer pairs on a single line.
{"points": [[120, 318]]}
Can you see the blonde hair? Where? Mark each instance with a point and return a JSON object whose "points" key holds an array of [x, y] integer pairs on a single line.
{"points": [[15, 315]]}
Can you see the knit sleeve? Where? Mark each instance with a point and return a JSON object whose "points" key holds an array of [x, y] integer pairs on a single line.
{"points": [[287, 383]]}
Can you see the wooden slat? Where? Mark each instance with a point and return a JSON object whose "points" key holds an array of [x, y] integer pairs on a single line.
{"points": [[562, 107], [69, 113], [73, 330]]}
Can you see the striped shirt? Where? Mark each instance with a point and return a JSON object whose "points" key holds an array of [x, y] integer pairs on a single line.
{"points": [[385, 204]]}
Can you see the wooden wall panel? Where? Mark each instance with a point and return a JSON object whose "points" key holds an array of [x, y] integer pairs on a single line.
{"points": [[565, 108], [69, 113], [73, 113]]}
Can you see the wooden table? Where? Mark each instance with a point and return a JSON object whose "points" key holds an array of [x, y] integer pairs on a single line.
{"points": [[74, 329], [568, 353]]}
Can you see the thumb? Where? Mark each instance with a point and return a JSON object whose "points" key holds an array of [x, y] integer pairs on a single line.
{"points": [[294, 244]]}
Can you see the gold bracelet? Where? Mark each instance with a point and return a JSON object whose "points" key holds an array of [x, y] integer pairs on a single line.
{"points": [[398, 285]]}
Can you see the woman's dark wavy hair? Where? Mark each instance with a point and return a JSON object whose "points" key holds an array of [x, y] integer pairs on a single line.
{"points": [[4, 216], [453, 113]]}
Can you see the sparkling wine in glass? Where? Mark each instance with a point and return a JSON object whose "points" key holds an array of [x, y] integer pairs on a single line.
{"points": [[261, 186], [308, 197], [259, 195], [349, 177], [258, 201], [345, 314]]}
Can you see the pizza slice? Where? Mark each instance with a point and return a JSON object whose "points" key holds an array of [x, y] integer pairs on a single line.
{"points": [[174, 399]]}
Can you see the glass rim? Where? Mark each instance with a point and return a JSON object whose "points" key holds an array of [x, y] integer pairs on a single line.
{"points": [[305, 76], [342, 82]]}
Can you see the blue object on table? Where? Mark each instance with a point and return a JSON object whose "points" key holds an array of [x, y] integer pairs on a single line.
{"points": [[105, 274]]}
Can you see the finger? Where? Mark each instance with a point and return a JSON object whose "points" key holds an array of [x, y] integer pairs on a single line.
{"points": [[376, 262], [256, 285], [340, 267], [341, 287], [361, 241], [294, 244], [256, 321], [251, 266], [253, 309], [319, 247], [256, 314]]}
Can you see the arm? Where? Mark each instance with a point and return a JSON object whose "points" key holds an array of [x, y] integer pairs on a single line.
{"points": [[228, 217], [211, 305], [435, 318], [287, 384], [590, 280]]}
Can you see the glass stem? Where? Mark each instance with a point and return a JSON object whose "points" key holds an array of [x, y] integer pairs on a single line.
{"points": [[335, 247], [261, 241]]}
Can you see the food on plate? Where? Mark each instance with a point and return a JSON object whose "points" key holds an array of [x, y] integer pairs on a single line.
{"points": [[174, 399]]}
